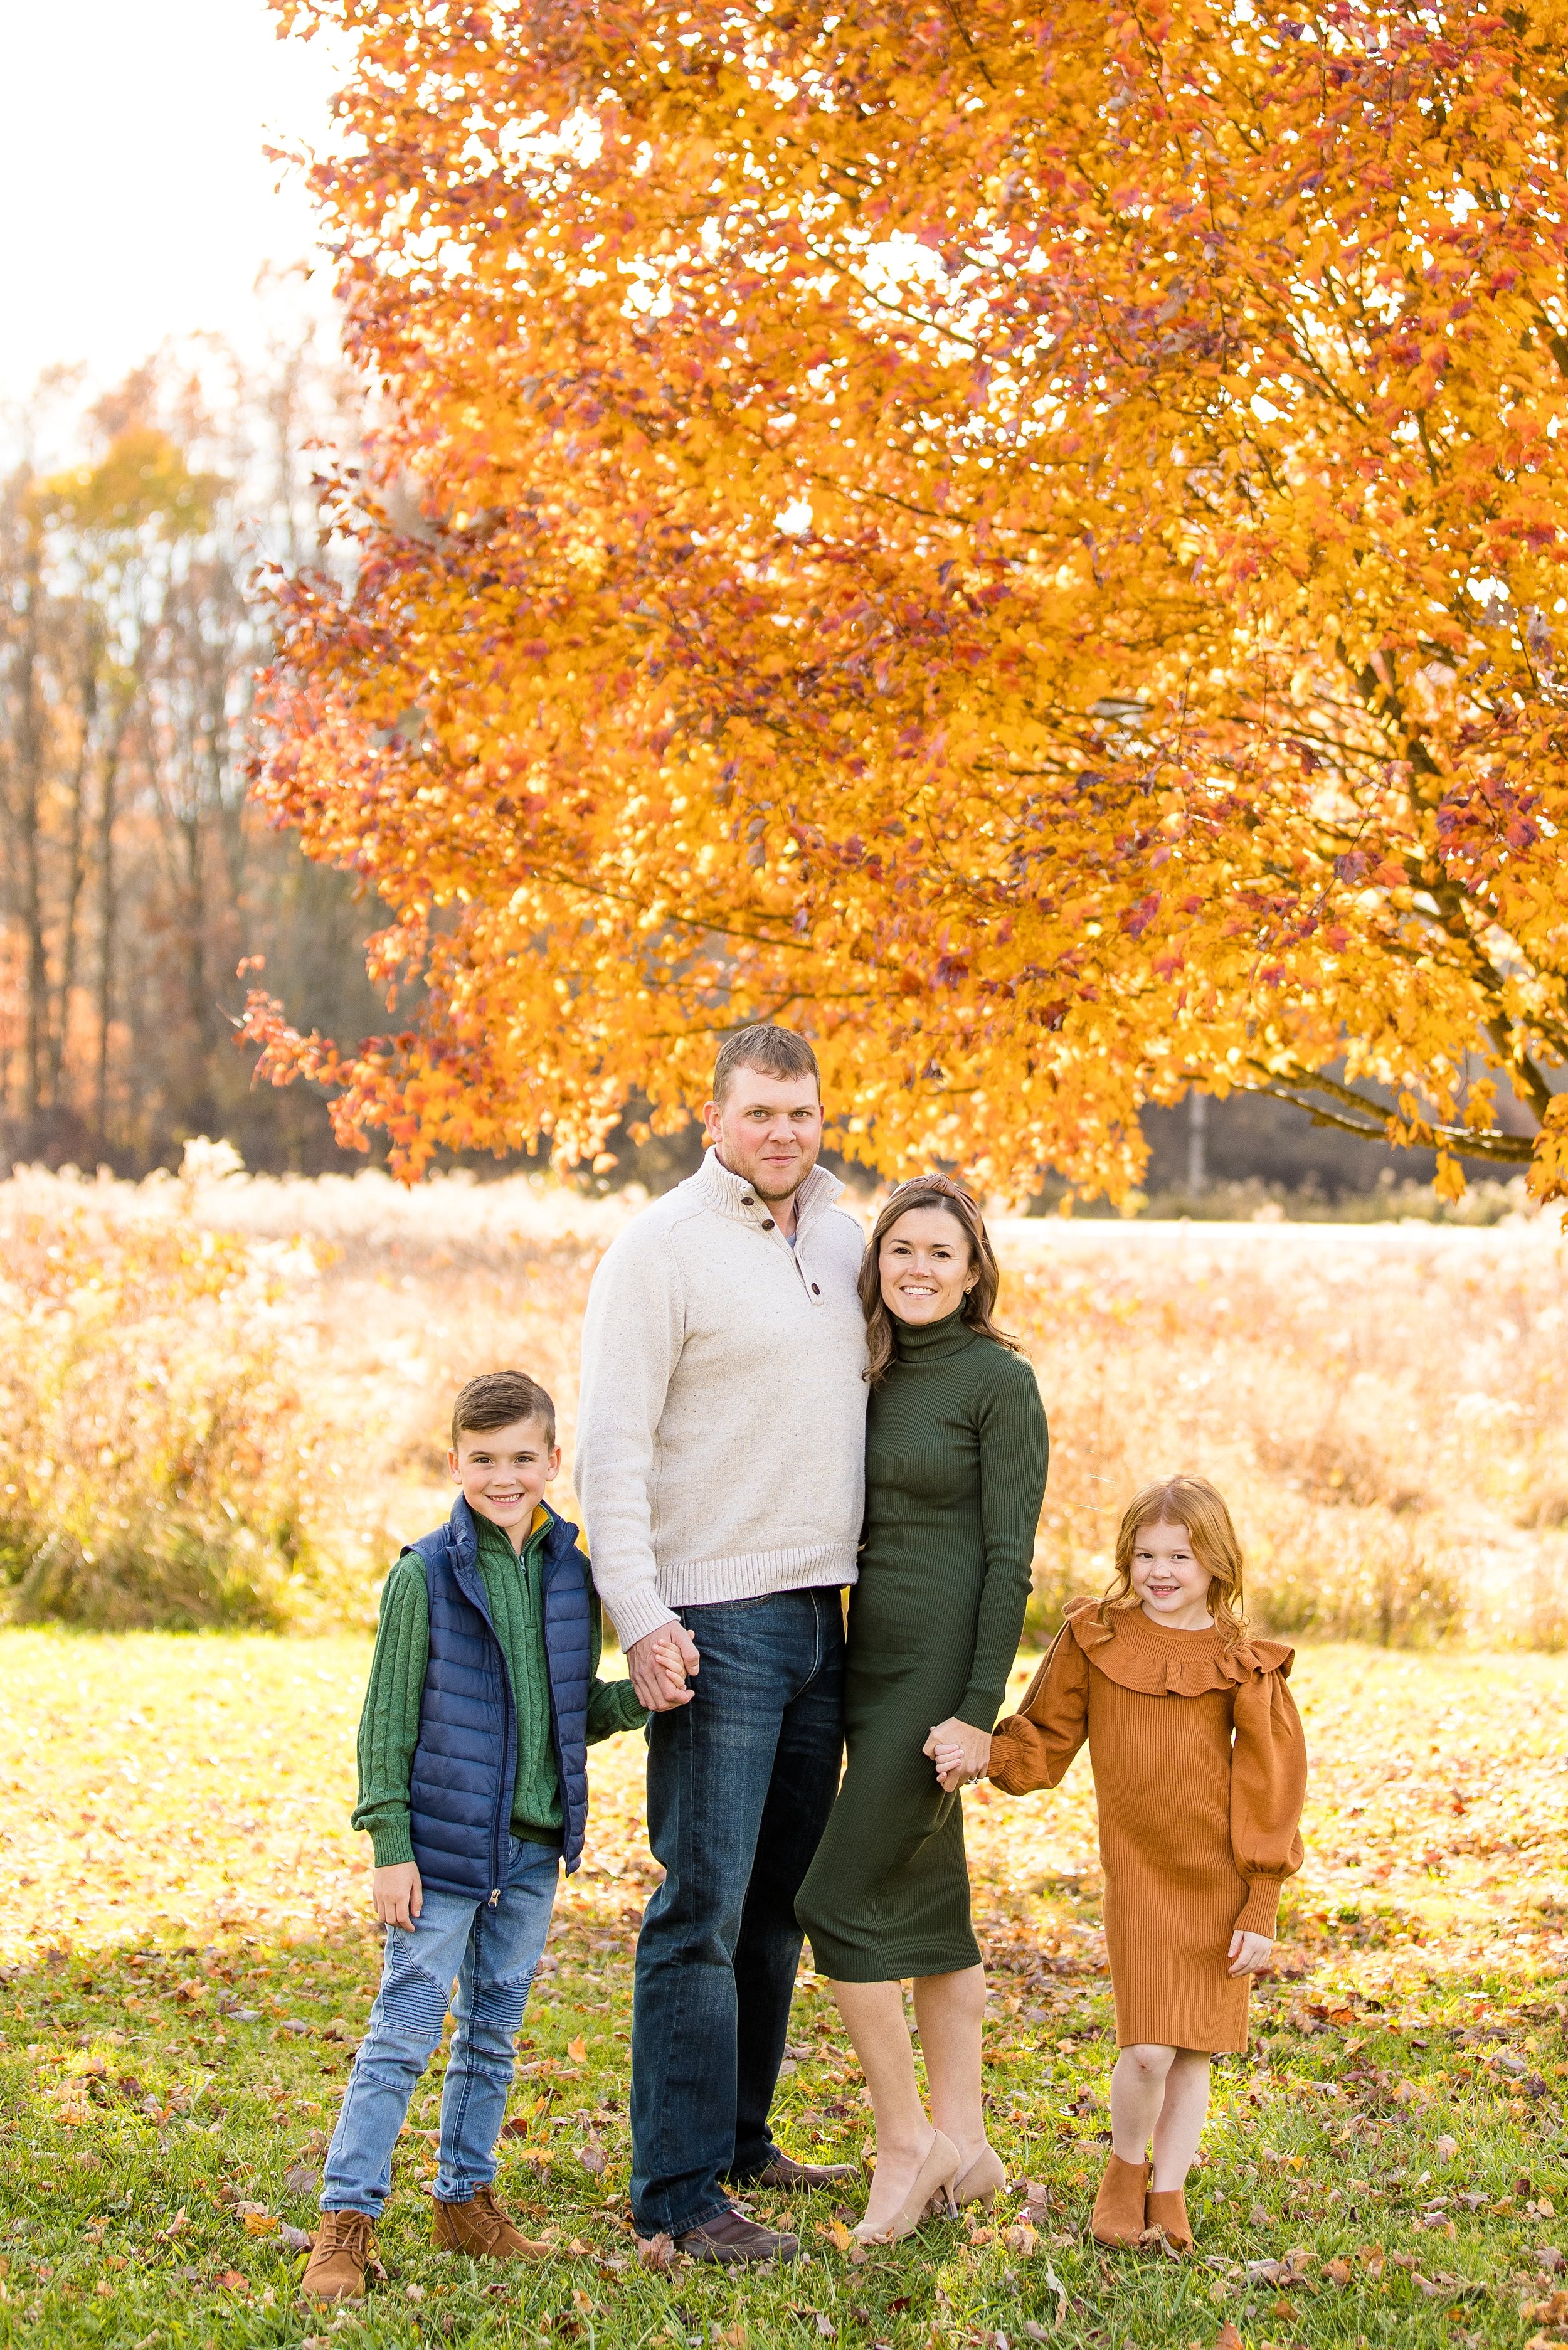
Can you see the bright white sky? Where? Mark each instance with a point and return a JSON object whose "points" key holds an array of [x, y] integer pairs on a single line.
{"points": [[138, 203]]}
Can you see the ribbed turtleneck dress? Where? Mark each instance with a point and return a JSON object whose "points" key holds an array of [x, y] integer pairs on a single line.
{"points": [[1199, 1766], [955, 1474]]}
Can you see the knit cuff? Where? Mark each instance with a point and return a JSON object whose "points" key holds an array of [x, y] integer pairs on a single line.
{"points": [[391, 1843], [638, 1612], [613, 1707], [1262, 1914], [979, 1707]]}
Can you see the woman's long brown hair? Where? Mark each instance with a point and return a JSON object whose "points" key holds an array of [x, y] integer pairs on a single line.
{"points": [[929, 1192]]}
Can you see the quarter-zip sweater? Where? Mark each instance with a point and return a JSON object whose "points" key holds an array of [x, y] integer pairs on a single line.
{"points": [[720, 1424], [390, 1724]]}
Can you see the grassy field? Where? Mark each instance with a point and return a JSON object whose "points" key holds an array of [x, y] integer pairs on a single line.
{"points": [[187, 1967]]}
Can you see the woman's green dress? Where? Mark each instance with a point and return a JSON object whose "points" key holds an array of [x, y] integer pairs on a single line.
{"points": [[955, 1474]]}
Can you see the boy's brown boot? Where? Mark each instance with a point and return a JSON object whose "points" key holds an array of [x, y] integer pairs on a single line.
{"points": [[1118, 2215], [339, 2256], [1166, 2209], [480, 2226]]}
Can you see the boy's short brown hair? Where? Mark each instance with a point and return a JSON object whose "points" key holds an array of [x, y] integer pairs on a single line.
{"points": [[772, 1052], [496, 1399]]}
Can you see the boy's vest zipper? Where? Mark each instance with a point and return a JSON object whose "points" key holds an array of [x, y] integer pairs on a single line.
{"points": [[479, 1598]]}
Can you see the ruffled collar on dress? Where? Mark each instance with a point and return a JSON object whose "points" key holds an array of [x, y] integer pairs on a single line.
{"points": [[1139, 1654]]}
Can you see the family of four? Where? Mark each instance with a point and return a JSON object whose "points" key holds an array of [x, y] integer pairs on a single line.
{"points": [[774, 1411]]}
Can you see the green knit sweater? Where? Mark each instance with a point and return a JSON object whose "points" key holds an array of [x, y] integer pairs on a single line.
{"points": [[390, 1724], [955, 1473]]}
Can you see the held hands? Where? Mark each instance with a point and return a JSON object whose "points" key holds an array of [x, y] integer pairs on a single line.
{"points": [[1249, 1952], [660, 1664], [397, 1895], [961, 1752]]}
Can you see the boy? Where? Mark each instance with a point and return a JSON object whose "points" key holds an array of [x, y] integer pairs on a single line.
{"points": [[483, 1696]]}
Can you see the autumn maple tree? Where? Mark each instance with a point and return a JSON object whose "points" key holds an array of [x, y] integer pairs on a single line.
{"points": [[1028, 542]]}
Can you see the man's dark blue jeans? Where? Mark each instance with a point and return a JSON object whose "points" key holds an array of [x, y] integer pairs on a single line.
{"points": [[739, 1785]]}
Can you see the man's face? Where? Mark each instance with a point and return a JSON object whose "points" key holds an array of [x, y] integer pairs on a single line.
{"points": [[767, 1130], [504, 1472]]}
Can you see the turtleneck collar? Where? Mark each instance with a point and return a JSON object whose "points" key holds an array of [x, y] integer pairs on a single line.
{"points": [[931, 1342]]}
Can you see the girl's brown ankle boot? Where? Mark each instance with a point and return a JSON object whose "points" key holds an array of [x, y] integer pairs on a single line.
{"points": [[1118, 2216], [1167, 2210]]}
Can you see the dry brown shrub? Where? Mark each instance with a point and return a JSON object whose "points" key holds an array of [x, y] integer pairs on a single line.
{"points": [[153, 1446]]}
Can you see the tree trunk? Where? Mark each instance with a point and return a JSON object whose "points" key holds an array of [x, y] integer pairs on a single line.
{"points": [[108, 795], [28, 819], [76, 865]]}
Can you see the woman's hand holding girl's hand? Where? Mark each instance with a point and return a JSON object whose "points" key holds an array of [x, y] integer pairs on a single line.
{"points": [[1248, 1952], [960, 1753]]}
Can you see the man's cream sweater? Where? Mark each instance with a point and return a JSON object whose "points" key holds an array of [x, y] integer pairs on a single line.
{"points": [[721, 1420]]}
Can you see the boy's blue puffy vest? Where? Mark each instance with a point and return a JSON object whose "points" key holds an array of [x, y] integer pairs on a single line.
{"points": [[465, 1763]]}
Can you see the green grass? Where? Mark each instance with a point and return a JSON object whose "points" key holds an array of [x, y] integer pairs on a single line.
{"points": [[187, 2108]]}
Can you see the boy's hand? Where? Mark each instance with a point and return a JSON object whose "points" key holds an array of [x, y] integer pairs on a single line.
{"points": [[657, 1687], [397, 1894], [1249, 1952]]}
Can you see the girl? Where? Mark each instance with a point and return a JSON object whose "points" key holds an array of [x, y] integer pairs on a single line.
{"points": [[1200, 1771]]}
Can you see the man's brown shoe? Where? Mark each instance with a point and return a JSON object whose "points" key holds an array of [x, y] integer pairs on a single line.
{"points": [[481, 2227], [339, 2256], [784, 2176], [733, 2240]]}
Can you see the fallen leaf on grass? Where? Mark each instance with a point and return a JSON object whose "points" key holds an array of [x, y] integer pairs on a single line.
{"points": [[1228, 2338], [1337, 2272], [1445, 2148], [293, 2239], [1282, 2308], [261, 2223], [1019, 2237], [182, 2219], [657, 2252], [593, 2157], [301, 2179], [1552, 2311], [232, 2281], [837, 2233], [578, 2050]]}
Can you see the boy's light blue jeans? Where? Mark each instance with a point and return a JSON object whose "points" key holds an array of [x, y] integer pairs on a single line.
{"points": [[493, 1954]]}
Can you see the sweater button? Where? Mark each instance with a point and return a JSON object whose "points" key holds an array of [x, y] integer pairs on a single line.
{"points": [[748, 1201], [817, 1289], [767, 1224]]}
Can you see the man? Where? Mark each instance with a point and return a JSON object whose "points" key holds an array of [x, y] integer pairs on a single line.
{"points": [[719, 1464]]}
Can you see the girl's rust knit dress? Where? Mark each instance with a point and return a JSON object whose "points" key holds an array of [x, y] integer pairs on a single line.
{"points": [[1199, 1770]]}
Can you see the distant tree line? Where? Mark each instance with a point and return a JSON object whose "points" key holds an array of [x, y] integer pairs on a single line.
{"points": [[135, 876]]}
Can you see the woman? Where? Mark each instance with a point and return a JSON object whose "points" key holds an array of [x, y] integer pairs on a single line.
{"points": [[955, 1473]]}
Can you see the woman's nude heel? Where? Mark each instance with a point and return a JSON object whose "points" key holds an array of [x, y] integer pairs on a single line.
{"points": [[938, 2176], [984, 2177]]}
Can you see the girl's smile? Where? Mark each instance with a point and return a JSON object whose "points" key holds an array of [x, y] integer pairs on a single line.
{"points": [[1169, 1580]]}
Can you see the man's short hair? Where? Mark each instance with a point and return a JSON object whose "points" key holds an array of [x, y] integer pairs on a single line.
{"points": [[496, 1399], [772, 1052]]}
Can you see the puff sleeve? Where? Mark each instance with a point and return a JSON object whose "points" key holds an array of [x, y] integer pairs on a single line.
{"points": [[1033, 1747], [1268, 1788]]}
